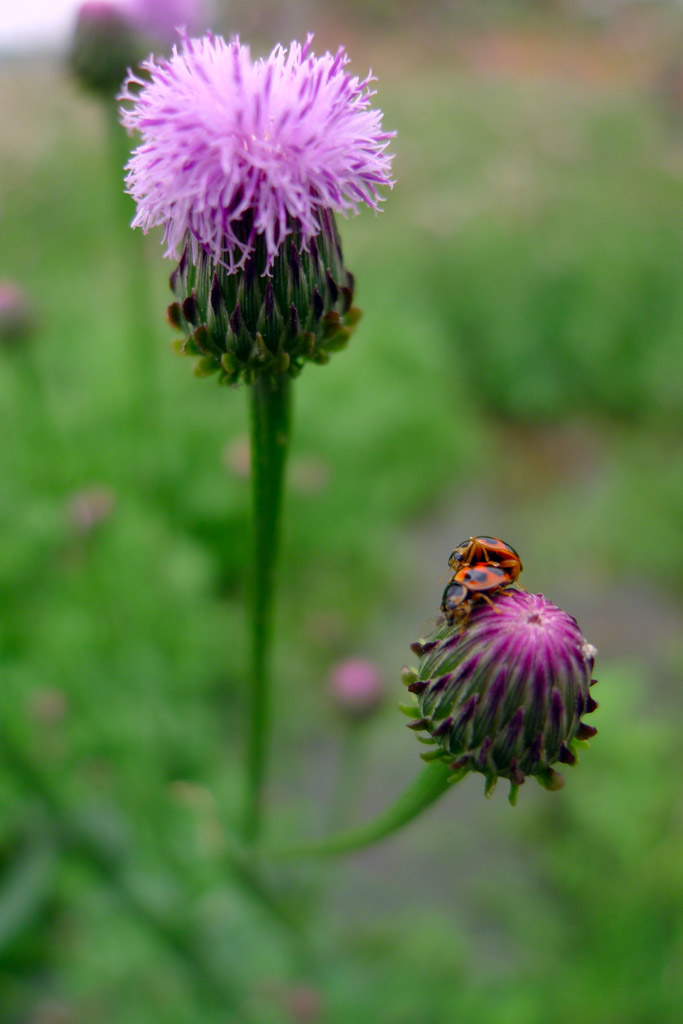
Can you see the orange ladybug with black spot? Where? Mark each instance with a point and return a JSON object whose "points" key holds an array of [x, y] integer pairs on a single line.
{"points": [[491, 550], [473, 583]]}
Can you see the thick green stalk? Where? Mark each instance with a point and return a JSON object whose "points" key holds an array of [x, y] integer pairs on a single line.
{"points": [[270, 417], [432, 781]]}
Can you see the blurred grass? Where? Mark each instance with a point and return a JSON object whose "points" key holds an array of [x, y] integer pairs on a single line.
{"points": [[519, 358]]}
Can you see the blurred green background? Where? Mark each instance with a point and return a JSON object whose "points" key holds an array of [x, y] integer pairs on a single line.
{"points": [[518, 371]]}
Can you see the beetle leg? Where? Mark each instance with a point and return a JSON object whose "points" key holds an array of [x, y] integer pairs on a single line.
{"points": [[488, 600]]}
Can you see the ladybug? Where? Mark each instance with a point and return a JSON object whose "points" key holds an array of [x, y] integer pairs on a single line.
{"points": [[486, 549], [472, 583]]}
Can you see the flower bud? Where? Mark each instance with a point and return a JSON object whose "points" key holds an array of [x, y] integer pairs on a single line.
{"points": [[89, 508], [17, 318], [356, 687], [111, 36], [504, 695], [244, 323], [304, 1005], [104, 46]]}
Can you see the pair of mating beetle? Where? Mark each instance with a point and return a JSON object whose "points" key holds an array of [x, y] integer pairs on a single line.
{"points": [[482, 565]]}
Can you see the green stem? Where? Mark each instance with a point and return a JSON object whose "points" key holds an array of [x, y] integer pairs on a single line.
{"points": [[432, 781], [270, 419]]}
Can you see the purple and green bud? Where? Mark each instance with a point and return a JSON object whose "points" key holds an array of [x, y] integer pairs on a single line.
{"points": [[505, 694], [240, 324]]}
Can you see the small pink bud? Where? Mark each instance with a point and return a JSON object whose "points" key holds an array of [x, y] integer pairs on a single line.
{"points": [[237, 457], [309, 475], [90, 507], [49, 706], [356, 686], [304, 1005]]}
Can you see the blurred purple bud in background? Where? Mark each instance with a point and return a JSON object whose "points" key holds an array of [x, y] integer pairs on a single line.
{"points": [[90, 507], [356, 687]]}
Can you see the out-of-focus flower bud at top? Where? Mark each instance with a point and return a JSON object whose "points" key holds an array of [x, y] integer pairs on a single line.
{"points": [[505, 693], [112, 36], [17, 316], [244, 163], [103, 47], [356, 687]]}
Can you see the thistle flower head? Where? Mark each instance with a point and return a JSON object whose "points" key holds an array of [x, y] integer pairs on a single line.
{"points": [[504, 695], [233, 148], [243, 163]]}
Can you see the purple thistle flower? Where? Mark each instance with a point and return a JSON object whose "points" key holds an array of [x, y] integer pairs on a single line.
{"points": [[244, 163], [233, 149], [504, 695]]}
